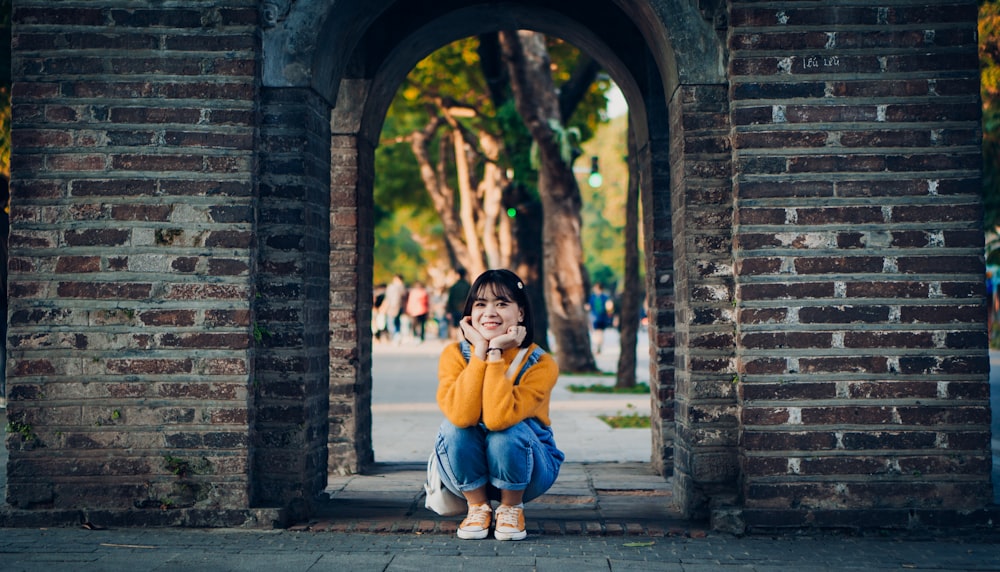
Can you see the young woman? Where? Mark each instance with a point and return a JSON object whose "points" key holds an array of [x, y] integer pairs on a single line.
{"points": [[495, 443]]}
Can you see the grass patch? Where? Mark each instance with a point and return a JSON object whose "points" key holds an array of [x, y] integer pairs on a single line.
{"points": [[632, 420], [641, 387]]}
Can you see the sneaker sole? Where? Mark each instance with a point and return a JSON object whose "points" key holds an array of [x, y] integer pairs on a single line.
{"points": [[520, 535], [473, 535]]}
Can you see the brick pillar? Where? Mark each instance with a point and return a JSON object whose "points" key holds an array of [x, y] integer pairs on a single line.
{"points": [[132, 258], [352, 174], [705, 462], [292, 304], [862, 335], [654, 191]]}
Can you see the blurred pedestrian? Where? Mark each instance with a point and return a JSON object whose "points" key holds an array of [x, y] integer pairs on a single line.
{"points": [[392, 305], [417, 308], [380, 326], [600, 314], [457, 295], [439, 312]]}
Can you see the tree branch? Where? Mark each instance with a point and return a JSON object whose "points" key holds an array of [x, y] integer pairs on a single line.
{"points": [[575, 89]]}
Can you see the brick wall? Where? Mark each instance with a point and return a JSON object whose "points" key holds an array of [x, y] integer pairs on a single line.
{"points": [[862, 343], [705, 462], [132, 255]]}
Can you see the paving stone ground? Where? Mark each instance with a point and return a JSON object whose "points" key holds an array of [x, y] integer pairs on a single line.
{"points": [[74, 549]]}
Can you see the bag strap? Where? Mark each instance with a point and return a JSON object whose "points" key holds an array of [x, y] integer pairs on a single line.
{"points": [[514, 365], [466, 348]]}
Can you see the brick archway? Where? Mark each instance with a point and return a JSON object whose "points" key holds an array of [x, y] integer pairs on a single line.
{"points": [[362, 98], [190, 251]]}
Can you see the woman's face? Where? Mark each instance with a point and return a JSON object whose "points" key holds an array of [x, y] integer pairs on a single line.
{"points": [[493, 313]]}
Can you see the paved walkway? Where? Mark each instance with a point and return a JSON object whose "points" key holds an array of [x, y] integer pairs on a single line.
{"points": [[78, 550]]}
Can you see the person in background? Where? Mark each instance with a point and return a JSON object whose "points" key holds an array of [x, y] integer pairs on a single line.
{"points": [[392, 306], [457, 294], [380, 326], [417, 307], [439, 312], [600, 316], [496, 443]]}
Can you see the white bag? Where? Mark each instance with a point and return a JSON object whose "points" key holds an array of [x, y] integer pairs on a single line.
{"points": [[437, 496]]}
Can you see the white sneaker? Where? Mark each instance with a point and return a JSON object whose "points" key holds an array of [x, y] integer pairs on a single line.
{"points": [[510, 523], [476, 525]]}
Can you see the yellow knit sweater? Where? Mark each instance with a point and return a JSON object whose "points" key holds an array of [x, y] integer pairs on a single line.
{"points": [[477, 390]]}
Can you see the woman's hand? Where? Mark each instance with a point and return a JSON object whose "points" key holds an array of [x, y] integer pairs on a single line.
{"points": [[513, 338], [472, 335]]}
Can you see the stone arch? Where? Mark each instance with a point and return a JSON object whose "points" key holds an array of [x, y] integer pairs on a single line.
{"points": [[813, 204], [360, 55]]}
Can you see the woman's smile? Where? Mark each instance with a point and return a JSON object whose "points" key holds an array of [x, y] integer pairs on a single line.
{"points": [[494, 315]]}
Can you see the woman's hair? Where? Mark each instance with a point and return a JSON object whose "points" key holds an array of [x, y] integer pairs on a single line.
{"points": [[503, 284]]}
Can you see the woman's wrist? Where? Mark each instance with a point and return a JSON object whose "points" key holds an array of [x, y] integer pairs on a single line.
{"points": [[493, 349]]}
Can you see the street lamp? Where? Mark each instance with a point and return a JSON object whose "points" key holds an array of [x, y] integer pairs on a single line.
{"points": [[595, 179]]}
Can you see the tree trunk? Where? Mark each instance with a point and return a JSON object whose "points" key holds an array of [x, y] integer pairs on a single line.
{"points": [[528, 259], [467, 203], [628, 311], [565, 291], [442, 197], [496, 230], [526, 225]]}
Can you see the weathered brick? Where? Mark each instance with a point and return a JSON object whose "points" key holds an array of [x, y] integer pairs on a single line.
{"points": [[105, 290], [149, 366], [71, 264], [887, 289], [889, 340], [763, 440], [796, 391], [781, 291], [893, 390], [141, 212], [938, 264], [843, 314], [941, 314], [774, 340], [97, 237], [852, 364]]}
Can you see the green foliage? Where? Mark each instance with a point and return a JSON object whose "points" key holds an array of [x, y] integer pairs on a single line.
{"points": [[176, 465], [406, 243], [518, 144], [603, 211], [5, 83], [631, 420], [260, 332], [398, 175], [408, 234], [989, 66], [639, 388], [20, 428], [5, 132], [588, 116]]}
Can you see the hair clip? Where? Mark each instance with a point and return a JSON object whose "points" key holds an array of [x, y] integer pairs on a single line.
{"points": [[520, 285]]}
